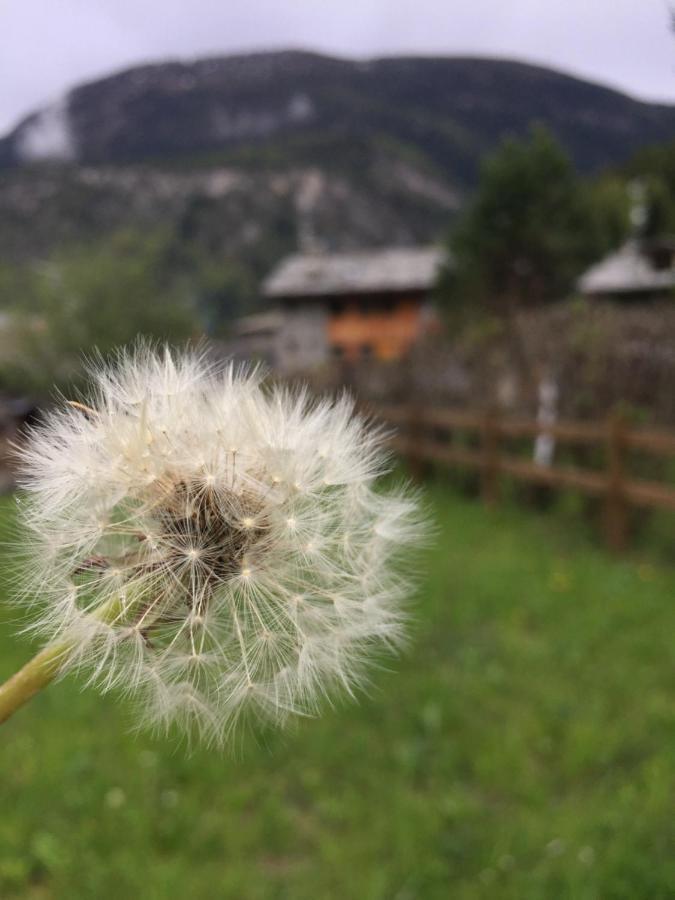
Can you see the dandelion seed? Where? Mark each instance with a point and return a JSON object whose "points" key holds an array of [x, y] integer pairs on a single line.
{"points": [[586, 856], [556, 847], [115, 798], [169, 799], [186, 569], [506, 862]]}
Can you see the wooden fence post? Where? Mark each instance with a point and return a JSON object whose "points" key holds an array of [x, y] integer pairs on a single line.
{"points": [[616, 511], [490, 466], [415, 433]]}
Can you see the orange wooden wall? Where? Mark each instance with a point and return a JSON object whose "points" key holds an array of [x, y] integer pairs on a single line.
{"points": [[386, 333]]}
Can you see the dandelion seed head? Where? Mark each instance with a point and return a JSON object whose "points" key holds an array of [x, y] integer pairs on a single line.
{"points": [[213, 547]]}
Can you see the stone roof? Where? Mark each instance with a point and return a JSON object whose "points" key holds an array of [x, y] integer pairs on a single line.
{"points": [[333, 274], [630, 270]]}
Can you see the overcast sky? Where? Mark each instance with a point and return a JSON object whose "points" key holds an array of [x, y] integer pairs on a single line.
{"points": [[47, 46]]}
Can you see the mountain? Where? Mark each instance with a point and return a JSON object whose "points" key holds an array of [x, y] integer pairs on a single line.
{"points": [[451, 110], [250, 154]]}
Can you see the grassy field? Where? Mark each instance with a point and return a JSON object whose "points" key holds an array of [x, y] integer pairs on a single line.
{"points": [[522, 750]]}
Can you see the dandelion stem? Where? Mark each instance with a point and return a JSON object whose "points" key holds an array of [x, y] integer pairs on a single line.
{"points": [[43, 668], [35, 675]]}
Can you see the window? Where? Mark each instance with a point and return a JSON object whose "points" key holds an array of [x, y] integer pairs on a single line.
{"points": [[662, 258]]}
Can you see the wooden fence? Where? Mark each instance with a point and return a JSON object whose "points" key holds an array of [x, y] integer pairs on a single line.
{"points": [[429, 436]]}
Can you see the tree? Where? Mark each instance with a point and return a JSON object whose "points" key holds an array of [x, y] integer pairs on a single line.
{"points": [[654, 169], [533, 226], [95, 297], [528, 233], [223, 288]]}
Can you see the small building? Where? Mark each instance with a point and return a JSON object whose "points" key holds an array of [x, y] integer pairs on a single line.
{"points": [[255, 337], [16, 413], [643, 269], [352, 306]]}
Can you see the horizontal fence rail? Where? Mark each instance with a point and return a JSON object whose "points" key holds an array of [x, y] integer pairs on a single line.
{"points": [[427, 435]]}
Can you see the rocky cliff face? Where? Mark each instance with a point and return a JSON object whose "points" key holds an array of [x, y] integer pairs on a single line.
{"points": [[254, 216]]}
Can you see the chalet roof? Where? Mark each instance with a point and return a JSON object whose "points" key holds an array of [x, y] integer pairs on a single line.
{"points": [[377, 271], [629, 270]]}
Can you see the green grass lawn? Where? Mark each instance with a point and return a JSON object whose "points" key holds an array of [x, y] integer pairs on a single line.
{"points": [[522, 749]]}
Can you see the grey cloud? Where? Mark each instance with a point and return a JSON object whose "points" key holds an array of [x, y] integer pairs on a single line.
{"points": [[47, 47]]}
